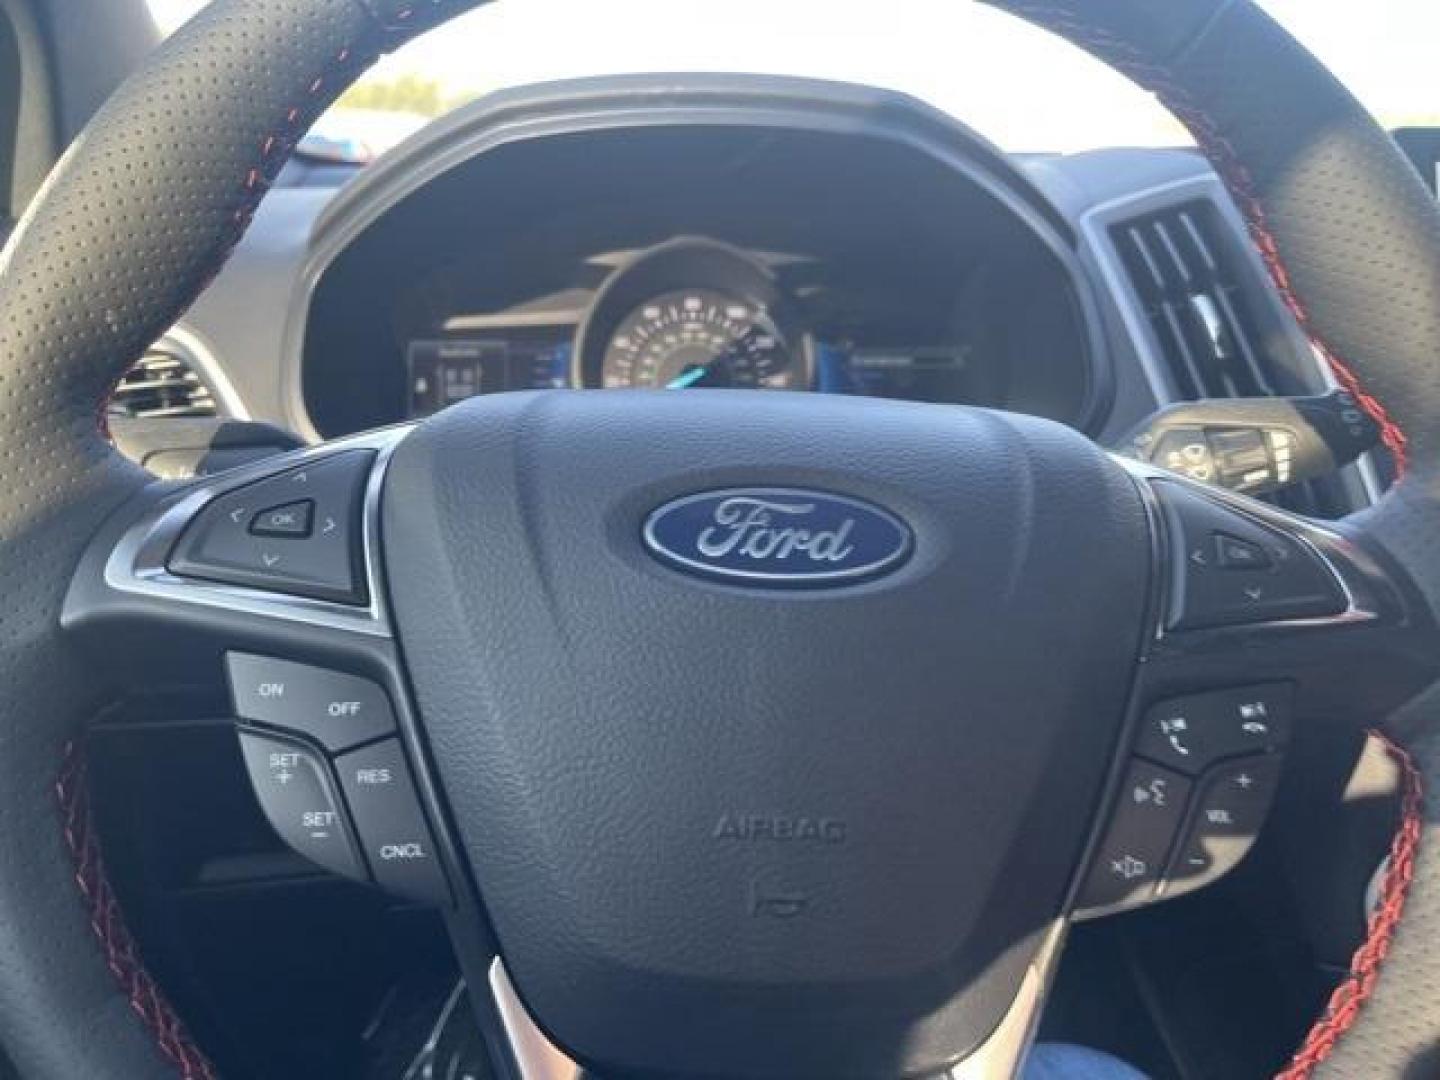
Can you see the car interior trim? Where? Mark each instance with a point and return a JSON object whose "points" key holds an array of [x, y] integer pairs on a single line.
{"points": [[192, 347], [122, 954]]}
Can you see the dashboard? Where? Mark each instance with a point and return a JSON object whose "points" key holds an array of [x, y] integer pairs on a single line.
{"points": [[694, 233], [791, 240]]}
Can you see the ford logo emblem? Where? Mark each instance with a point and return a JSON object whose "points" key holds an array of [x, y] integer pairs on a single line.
{"points": [[778, 537]]}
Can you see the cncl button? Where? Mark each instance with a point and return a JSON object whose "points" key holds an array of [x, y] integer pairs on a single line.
{"points": [[338, 710], [392, 828]]}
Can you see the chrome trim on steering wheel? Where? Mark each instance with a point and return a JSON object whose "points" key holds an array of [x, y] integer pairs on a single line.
{"points": [[1000, 1057], [137, 565], [1325, 544]]}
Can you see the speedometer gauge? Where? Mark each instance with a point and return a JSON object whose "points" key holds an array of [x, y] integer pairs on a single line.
{"points": [[699, 338], [693, 312]]}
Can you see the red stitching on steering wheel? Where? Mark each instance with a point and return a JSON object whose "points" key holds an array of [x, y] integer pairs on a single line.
{"points": [[122, 955], [1345, 1003], [1237, 177]]}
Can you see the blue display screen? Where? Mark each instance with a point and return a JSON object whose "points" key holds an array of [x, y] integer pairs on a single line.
{"points": [[443, 371]]}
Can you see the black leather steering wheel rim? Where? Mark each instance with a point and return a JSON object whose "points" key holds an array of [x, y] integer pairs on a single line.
{"points": [[151, 198]]}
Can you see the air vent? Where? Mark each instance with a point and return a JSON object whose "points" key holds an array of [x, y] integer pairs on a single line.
{"points": [[1181, 263], [163, 384], [1187, 269]]}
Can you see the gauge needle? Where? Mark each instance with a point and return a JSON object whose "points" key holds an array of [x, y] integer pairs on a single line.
{"points": [[687, 378]]}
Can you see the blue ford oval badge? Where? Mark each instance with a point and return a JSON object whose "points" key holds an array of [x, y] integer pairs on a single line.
{"points": [[778, 537]]}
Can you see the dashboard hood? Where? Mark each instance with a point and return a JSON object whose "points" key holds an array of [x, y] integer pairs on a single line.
{"points": [[669, 98]]}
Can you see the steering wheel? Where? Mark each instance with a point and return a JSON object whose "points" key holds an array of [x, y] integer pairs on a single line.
{"points": [[736, 735]]}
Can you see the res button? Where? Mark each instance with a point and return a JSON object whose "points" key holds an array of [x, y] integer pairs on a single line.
{"points": [[393, 832], [337, 710]]}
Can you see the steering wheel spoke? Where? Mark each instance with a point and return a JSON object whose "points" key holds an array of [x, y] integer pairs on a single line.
{"points": [[1263, 628], [267, 580], [1270, 628]]}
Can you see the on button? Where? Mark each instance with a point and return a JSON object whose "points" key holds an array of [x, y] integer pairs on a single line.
{"points": [[338, 710]]}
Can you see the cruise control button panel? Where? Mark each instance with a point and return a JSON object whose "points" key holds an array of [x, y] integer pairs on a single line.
{"points": [[1227, 817], [369, 826], [392, 828], [1131, 859], [298, 532], [1231, 570], [336, 709], [1191, 733], [292, 784]]}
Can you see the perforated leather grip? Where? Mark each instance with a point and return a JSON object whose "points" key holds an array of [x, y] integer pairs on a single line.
{"points": [[1351, 238], [136, 220]]}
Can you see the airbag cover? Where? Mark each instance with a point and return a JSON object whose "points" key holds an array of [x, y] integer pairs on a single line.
{"points": [[732, 830]]}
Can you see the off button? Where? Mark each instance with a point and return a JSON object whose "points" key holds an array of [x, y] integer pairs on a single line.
{"points": [[393, 832], [337, 710]]}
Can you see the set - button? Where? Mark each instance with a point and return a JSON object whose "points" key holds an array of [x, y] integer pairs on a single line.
{"points": [[292, 785]]}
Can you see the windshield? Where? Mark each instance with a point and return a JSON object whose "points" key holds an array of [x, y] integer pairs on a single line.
{"points": [[1018, 86]]}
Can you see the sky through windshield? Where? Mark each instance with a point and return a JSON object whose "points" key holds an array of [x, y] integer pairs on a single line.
{"points": [[1018, 86]]}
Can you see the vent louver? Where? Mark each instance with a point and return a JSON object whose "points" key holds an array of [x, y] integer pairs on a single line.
{"points": [[1181, 265], [1185, 266], [162, 384]]}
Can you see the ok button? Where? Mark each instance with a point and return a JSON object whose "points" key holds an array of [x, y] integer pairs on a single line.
{"points": [[337, 709]]}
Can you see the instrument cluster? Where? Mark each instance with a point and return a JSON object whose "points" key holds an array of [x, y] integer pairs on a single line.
{"points": [[779, 251], [690, 313]]}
